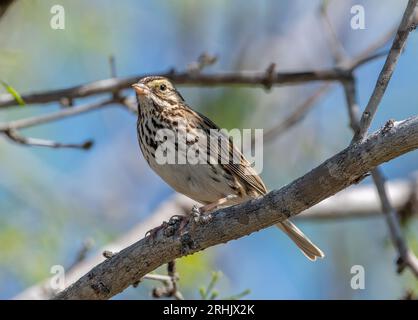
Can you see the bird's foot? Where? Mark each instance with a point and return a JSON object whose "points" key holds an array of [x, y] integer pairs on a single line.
{"points": [[200, 216], [175, 224], [179, 219], [153, 232]]}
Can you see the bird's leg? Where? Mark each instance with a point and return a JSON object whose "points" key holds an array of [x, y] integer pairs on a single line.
{"points": [[202, 215], [153, 232], [173, 221], [179, 217]]}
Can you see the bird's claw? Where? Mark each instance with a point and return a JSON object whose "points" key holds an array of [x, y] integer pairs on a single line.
{"points": [[153, 232], [200, 217], [176, 222]]}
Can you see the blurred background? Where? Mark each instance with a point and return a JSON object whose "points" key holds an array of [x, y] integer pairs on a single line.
{"points": [[51, 201]]}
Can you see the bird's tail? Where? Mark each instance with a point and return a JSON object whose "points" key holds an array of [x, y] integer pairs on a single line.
{"points": [[311, 251]]}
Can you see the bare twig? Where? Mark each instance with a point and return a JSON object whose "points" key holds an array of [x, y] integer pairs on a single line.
{"points": [[363, 202], [203, 61], [66, 98], [112, 65], [82, 253], [169, 281], [61, 114], [231, 78], [350, 65], [297, 115], [18, 138], [338, 52], [406, 257], [10, 129], [370, 51], [358, 62], [157, 277], [170, 288], [387, 71], [352, 104], [183, 78]]}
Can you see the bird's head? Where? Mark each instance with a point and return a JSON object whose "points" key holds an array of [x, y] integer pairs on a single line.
{"points": [[157, 91]]}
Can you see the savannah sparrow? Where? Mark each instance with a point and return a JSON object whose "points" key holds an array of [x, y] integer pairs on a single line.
{"points": [[212, 182]]}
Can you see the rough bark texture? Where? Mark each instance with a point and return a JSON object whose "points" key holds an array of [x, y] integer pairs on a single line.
{"points": [[345, 168]]}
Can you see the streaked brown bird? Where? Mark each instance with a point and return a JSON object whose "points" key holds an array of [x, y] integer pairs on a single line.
{"points": [[217, 180]]}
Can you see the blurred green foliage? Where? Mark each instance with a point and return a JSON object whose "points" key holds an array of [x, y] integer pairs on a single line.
{"points": [[13, 92]]}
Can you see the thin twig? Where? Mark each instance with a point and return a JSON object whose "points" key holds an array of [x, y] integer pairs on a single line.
{"points": [[350, 65], [203, 61], [157, 277], [406, 257], [379, 44], [297, 115], [338, 52], [61, 114], [82, 253], [357, 62], [112, 65], [185, 78], [28, 141], [170, 288], [387, 71], [169, 281], [352, 104], [10, 128]]}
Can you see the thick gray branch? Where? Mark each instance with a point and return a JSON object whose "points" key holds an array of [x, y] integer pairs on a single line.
{"points": [[352, 203], [345, 168]]}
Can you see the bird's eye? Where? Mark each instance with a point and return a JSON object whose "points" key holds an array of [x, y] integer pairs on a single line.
{"points": [[163, 87]]}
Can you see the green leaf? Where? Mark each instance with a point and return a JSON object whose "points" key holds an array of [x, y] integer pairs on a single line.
{"points": [[215, 278], [209, 292], [202, 292], [13, 92], [239, 295], [214, 295]]}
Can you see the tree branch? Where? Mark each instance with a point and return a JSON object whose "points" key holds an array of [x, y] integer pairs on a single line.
{"points": [[345, 168], [364, 202], [15, 136], [163, 212], [297, 115], [61, 114], [352, 203], [406, 257], [387, 71]]}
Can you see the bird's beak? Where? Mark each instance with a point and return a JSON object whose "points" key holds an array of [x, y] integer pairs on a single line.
{"points": [[140, 89]]}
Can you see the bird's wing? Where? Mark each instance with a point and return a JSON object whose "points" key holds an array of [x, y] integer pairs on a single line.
{"points": [[228, 152]]}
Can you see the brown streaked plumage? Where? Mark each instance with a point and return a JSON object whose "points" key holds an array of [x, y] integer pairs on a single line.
{"points": [[216, 177]]}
